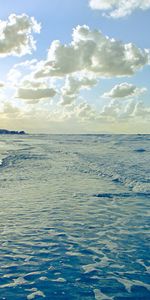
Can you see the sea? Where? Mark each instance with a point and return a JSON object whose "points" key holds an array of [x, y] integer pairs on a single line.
{"points": [[75, 217]]}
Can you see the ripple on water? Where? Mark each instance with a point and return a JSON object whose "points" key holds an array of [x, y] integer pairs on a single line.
{"points": [[74, 219]]}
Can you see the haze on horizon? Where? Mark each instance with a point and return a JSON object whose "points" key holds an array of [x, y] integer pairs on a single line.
{"points": [[75, 66]]}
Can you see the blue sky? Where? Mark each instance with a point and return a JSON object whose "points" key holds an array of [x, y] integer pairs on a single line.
{"points": [[81, 100]]}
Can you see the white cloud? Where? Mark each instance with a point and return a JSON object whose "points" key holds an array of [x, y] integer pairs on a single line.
{"points": [[74, 84], [91, 51], [124, 90], [85, 111], [13, 77], [9, 110], [34, 91], [29, 64], [35, 94], [16, 35], [118, 111], [123, 111], [141, 111], [20, 71], [72, 87], [67, 99], [115, 112], [119, 8], [117, 116]]}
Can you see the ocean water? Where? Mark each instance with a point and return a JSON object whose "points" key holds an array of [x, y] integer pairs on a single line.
{"points": [[74, 217]]}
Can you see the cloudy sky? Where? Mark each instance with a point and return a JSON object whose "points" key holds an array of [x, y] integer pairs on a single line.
{"points": [[75, 66]]}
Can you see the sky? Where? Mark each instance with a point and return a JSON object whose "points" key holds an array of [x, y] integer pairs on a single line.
{"points": [[75, 66]]}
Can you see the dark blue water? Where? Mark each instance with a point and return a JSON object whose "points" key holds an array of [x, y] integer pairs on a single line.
{"points": [[74, 217]]}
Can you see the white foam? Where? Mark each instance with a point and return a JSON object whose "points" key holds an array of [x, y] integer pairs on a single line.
{"points": [[34, 294], [128, 284], [101, 296]]}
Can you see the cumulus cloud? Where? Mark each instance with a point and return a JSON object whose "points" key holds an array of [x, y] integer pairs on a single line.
{"points": [[67, 100], [9, 110], [84, 111], [72, 87], [114, 112], [19, 71], [34, 91], [141, 111], [124, 90], [35, 94], [13, 77], [16, 35], [91, 51], [74, 84], [121, 8], [122, 111]]}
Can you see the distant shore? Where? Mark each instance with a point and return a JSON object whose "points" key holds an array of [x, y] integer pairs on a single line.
{"points": [[5, 131]]}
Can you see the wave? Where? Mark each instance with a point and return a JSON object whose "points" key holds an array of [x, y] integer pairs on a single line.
{"points": [[140, 150], [121, 195], [3, 160]]}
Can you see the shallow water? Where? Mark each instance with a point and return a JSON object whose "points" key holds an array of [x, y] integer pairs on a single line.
{"points": [[74, 217]]}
